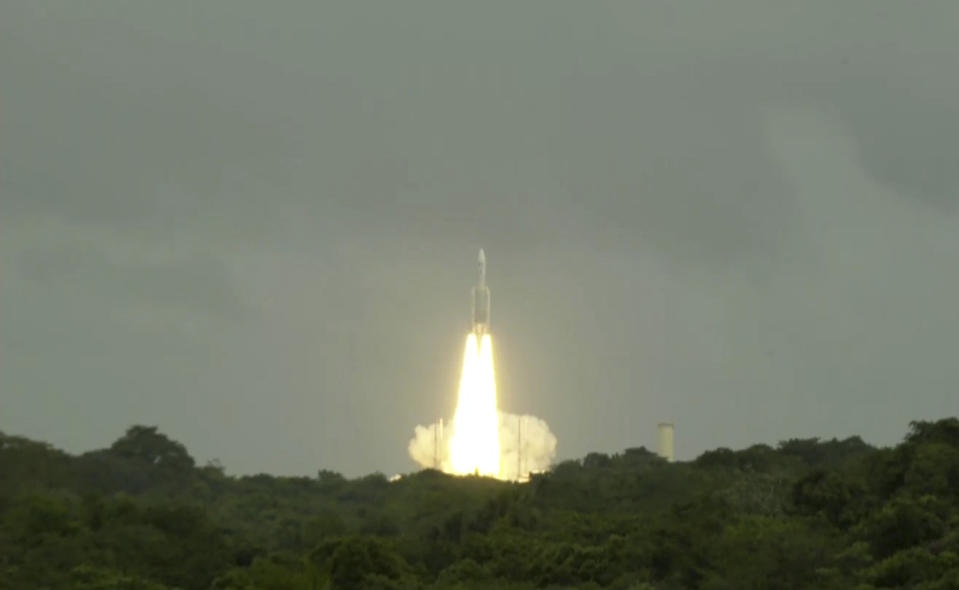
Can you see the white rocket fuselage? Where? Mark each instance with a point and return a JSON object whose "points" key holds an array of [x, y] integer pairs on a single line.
{"points": [[480, 300]]}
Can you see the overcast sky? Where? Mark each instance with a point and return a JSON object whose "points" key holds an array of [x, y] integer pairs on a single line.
{"points": [[254, 224]]}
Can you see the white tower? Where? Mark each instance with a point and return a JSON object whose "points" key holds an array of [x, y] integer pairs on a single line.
{"points": [[666, 440]]}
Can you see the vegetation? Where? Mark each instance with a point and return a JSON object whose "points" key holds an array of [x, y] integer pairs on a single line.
{"points": [[806, 514]]}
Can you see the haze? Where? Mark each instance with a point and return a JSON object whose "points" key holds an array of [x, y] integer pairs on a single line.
{"points": [[254, 224]]}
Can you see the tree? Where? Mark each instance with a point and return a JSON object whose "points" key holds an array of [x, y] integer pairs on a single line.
{"points": [[942, 431], [903, 523], [828, 493], [144, 443], [361, 562], [933, 469]]}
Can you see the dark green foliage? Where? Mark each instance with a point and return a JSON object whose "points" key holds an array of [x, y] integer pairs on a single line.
{"points": [[144, 443], [87, 577], [806, 514], [362, 562], [838, 498]]}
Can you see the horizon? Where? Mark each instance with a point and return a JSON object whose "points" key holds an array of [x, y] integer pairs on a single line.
{"points": [[224, 468]]}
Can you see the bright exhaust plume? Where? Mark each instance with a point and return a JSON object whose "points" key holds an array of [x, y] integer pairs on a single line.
{"points": [[482, 439], [474, 447]]}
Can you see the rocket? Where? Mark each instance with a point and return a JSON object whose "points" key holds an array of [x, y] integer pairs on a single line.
{"points": [[480, 299]]}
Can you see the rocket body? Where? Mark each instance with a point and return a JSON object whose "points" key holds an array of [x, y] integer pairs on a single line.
{"points": [[480, 300], [474, 446]]}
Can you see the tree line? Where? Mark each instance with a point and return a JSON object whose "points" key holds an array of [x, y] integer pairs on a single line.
{"points": [[805, 514]]}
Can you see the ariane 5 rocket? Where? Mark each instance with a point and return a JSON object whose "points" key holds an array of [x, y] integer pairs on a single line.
{"points": [[480, 300]]}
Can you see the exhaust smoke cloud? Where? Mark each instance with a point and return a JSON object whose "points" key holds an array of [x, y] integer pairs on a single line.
{"points": [[526, 446]]}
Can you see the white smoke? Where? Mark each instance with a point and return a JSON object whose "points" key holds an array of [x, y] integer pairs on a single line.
{"points": [[430, 446], [526, 446]]}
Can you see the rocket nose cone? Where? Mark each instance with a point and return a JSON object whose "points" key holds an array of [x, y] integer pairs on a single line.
{"points": [[482, 256]]}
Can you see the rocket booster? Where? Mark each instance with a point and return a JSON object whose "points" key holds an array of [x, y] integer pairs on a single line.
{"points": [[480, 299]]}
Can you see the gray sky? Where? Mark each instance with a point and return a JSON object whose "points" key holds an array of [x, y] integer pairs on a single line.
{"points": [[255, 224]]}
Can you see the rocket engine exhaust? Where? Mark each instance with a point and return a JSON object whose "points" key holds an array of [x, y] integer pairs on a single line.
{"points": [[484, 440]]}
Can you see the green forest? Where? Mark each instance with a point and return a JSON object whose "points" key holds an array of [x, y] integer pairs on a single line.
{"points": [[807, 513]]}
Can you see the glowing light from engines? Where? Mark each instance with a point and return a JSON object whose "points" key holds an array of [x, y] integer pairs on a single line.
{"points": [[474, 447]]}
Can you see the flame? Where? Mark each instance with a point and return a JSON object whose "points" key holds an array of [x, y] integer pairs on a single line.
{"points": [[474, 447]]}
